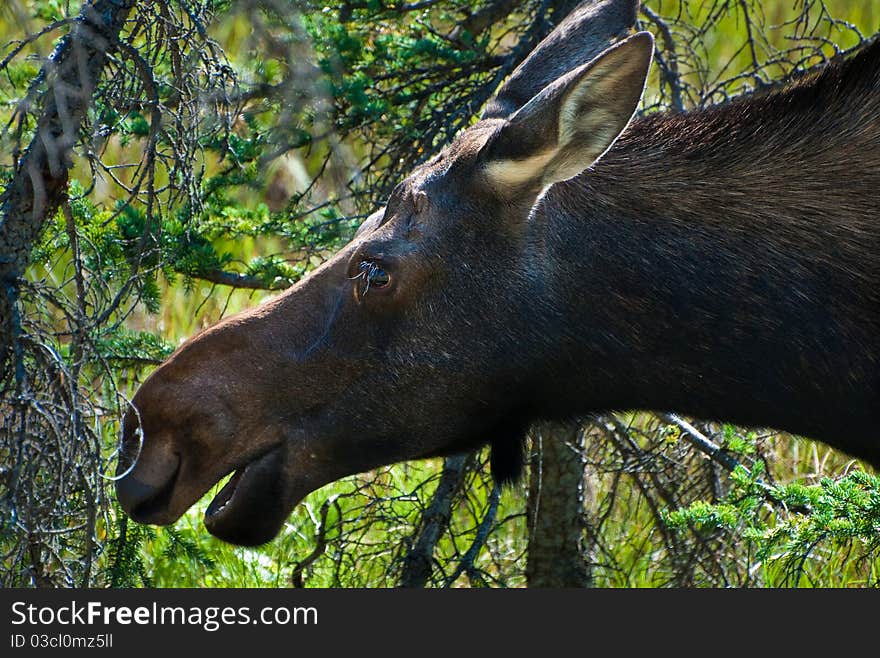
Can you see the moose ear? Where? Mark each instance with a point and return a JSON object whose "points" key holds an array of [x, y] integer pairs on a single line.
{"points": [[571, 123], [588, 29]]}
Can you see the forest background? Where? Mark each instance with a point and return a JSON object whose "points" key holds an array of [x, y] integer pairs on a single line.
{"points": [[228, 147]]}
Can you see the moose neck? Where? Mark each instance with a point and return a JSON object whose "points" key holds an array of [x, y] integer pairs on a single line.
{"points": [[724, 264]]}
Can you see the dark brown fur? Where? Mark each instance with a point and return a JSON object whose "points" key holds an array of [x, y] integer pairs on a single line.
{"points": [[736, 249]]}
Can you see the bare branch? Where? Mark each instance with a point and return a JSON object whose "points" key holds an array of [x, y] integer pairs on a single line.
{"points": [[418, 562], [238, 280]]}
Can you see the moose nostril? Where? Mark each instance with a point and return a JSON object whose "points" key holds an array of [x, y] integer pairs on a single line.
{"points": [[131, 493], [145, 502]]}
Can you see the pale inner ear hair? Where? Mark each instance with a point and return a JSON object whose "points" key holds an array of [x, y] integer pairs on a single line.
{"points": [[581, 115], [511, 174]]}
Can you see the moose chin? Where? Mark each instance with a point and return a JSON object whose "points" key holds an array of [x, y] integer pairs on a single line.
{"points": [[559, 258]]}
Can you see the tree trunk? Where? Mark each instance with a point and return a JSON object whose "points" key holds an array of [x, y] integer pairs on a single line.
{"points": [[40, 181], [556, 553]]}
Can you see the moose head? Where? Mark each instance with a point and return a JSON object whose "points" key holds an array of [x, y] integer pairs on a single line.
{"points": [[507, 279]]}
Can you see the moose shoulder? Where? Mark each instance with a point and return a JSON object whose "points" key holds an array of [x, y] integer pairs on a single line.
{"points": [[554, 260]]}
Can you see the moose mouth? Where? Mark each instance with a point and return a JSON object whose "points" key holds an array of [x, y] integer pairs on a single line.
{"points": [[252, 506]]}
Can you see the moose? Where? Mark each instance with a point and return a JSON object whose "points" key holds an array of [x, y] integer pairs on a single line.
{"points": [[559, 258]]}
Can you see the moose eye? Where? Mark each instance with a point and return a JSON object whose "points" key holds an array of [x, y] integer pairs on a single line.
{"points": [[378, 278], [373, 275]]}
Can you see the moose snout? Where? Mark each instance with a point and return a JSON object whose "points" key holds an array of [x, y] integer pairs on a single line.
{"points": [[147, 478]]}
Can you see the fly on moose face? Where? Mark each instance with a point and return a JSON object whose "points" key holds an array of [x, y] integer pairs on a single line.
{"points": [[373, 275]]}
